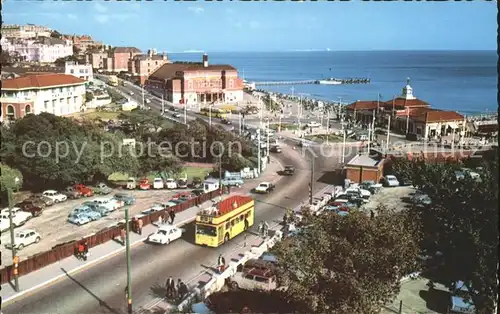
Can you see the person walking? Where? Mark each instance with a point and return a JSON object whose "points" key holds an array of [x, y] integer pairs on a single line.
{"points": [[171, 213], [123, 235], [221, 264], [265, 229], [80, 252], [85, 250], [170, 287], [160, 220], [183, 290], [261, 229], [139, 226]]}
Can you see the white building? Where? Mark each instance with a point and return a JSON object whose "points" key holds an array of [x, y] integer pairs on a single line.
{"points": [[25, 31], [43, 49], [82, 71], [59, 94]]}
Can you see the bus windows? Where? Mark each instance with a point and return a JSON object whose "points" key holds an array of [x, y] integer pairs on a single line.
{"points": [[206, 230], [242, 217], [247, 214], [236, 220], [232, 223], [228, 225]]}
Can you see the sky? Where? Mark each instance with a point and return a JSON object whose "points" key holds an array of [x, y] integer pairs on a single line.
{"points": [[268, 26]]}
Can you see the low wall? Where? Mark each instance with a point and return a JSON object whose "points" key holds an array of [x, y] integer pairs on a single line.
{"points": [[64, 250]]}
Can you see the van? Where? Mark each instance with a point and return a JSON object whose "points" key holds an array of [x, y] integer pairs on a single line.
{"points": [[255, 275]]}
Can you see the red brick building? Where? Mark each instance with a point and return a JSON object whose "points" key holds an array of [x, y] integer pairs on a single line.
{"points": [[364, 168], [196, 83], [117, 59], [142, 66]]}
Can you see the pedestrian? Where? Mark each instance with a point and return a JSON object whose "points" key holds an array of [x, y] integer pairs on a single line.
{"points": [[85, 250], [134, 224], [285, 219], [81, 250], [221, 264], [160, 220], [261, 229], [265, 229], [372, 214], [139, 226], [171, 213], [170, 287], [178, 286], [123, 234], [182, 291]]}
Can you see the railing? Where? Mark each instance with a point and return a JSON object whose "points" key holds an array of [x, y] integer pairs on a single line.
{"points": [[64, 250]]}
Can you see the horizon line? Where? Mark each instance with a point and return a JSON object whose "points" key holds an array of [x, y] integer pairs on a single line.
{"points": [[324, 50]]}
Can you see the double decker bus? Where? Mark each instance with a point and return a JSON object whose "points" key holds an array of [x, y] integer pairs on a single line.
{"points": [[217, 225], [113, 80], [214, 112]]}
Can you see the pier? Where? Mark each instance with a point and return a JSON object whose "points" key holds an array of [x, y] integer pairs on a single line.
{"points": [[341, 81]]}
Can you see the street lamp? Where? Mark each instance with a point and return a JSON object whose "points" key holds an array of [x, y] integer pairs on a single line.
{"points": [[15, 259], [129, 277]]}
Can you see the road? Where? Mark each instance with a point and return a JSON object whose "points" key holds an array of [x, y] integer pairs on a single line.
{"points": [[100, 289]]}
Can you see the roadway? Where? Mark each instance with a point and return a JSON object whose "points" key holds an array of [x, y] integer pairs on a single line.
{"points": [[100, 289]]}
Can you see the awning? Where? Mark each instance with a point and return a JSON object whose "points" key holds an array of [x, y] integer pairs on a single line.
{"points": [[452, 125]]}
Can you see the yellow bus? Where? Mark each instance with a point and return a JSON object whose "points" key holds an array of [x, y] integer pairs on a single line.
{"points": [[219, 224], [214, 112], [113, 80]]}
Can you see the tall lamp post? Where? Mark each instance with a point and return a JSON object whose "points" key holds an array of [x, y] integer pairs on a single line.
{"points": [[15, 258], [129, 277]]}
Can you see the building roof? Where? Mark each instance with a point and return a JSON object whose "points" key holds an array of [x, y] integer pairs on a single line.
{"points": [[401, 102], [23, 71], [171, 70], [126, 50], [435, 115], [41, 81], [50, 41], [361, 160], [147, 57], [363, 105]]}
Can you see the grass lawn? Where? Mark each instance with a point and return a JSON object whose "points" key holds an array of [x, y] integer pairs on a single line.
{"points": [[284, 126], [190, 171], [104, 115], [332, 138]]}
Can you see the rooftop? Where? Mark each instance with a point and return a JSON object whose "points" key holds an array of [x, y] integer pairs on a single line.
{"points": [[126, 50], [435, 115], [363, 161], [231, 203], [175, 70], [363, 105], [41, 81]]}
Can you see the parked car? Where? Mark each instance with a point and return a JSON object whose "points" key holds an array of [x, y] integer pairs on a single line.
{"points": [[55, 196], [126, 198], [390, 181], [30, 206], [19, 217], [371, 186], [152, 209], [313, 124], [102, 188], [176, 115], [144, 184], [71, 192], [232, 181], [165, 235], [275, 149], [131, 184], [182, 184], [23, 238], [289, 170], [171, 184], [158, 183], [86, 191], [87, 211], [103, 211], [264, 187], [110, 203], [78, 219], [196, 183], [40, 198]]}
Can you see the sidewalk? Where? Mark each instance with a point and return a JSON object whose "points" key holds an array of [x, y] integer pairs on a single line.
{"points": [[54, 272]]}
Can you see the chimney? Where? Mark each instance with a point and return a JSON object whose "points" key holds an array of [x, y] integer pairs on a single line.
{"points": [[150, 53], [205, 60]]}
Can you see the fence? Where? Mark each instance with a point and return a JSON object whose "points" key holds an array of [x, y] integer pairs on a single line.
{"points": [[64, 250]]}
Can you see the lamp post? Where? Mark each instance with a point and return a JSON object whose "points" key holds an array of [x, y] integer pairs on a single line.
{"points": [[15, 258], [129, 277], [258, 151]]}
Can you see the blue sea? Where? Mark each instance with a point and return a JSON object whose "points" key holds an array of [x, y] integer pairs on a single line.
{"points": [[464, 81]]}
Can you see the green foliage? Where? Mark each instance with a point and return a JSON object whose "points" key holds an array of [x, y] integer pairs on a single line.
{"points": [[8, 177], [55, 34], [89, 96], [349, 264], [461, 223], [62, 61], [5, 58], [271, 104]]}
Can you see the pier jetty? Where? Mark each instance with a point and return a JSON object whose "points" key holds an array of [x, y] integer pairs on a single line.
{"points": [[303, 82]]}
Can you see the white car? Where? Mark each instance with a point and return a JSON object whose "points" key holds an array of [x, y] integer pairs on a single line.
{"points": [[264, 187], [390, 180], [158, 183], [131, 93], [171, 184], [165, 235], [109, 203], [148, 101], [19, 218], [55, 196], [365, 194], [154, 208], [24, 238], [313, 124]]}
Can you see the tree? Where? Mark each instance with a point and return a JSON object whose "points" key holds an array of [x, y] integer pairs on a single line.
{"points": [[56, 34], [8, 176], [62, 61], [347, 264], [89, 96], [462, 224], [5, 58]]}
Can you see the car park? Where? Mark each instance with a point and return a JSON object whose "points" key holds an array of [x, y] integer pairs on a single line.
{"points": [[30, 206], [144, 184], [40, 198], [165, 235], [71, 193], [358, 192], [84, 190], [171, 184], [158, 183], [55, 196], [23, 238], [131, 184], [78, 219], [102, 189], [125, 198], [109, 202], [103, 211], [391, 181], [371, 186], [87, 211]]}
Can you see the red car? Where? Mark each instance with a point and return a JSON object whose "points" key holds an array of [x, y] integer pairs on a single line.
{"points": [[144, 184], [86, 191], [31, 206]]}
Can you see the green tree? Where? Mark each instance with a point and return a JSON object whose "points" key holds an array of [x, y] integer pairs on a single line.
{"points": [[89, 96], [56, 34], [62, 61], [347, 264], [462, 224], [5, 58], [8, 176]]}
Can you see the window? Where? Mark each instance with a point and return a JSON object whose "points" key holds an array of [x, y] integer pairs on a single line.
{"points": [[228, 225], [206, 230], [231, 83], [247, 214], [232, 223], [46, 105], [68, 100], [72, 71], [11, 113], [237, 220], [241, 218], [27, 109], [75, 99]]}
